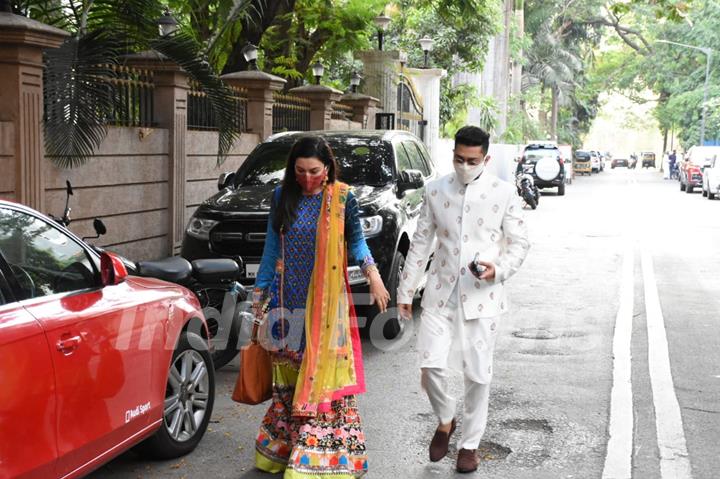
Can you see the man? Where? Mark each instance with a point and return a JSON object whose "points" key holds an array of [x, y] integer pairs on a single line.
{"points": [[476, 219]]}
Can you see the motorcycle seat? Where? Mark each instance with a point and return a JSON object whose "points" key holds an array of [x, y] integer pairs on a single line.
{"points": [[216, 270], [174, 269]]}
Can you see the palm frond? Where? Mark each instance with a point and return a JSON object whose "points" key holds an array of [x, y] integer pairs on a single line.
{"points": [[185, 51], [79, 97]]}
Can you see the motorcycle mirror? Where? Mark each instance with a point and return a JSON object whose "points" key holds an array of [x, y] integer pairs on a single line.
{"points": [[99, 226], [68, 187]]}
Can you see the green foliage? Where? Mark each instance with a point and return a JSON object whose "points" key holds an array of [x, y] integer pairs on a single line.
{"points": [[78, 78], [461, 31]]}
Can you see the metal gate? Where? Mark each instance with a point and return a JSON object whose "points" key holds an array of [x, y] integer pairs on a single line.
{"points": [[410, 109]]}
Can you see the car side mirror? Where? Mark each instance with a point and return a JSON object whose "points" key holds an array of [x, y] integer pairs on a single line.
{"points": [[99, 227], [112, 269], [410, 180], [225, 180]]}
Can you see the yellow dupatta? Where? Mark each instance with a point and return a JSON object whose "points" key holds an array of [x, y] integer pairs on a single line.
{"points": [[332, 362]]}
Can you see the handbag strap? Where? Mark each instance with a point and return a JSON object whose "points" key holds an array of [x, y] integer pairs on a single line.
{"points": [[282, 287]]}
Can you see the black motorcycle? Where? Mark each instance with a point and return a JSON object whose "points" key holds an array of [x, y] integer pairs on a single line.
{"points": [[526, 187], [213, 281]]}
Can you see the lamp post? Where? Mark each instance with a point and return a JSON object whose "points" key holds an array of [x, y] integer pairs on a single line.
{"points": [[318, 71], [167, 25], [426, 43], [355, 81], [382, 22], [708, 53], [250, 53]]}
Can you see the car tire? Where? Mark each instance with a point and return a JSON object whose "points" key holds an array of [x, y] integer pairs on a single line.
{"points": [[710, 196], [704, 193], [393, 327], [561, 190], [688, 189], [170, 442]]}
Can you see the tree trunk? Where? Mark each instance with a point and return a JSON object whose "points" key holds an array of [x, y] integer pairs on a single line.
{"points": [[542, 112], [254, 27], [554, 114]]}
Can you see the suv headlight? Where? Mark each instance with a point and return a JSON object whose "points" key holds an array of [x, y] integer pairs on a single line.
{"points": [[199, 228], [371, 225]]}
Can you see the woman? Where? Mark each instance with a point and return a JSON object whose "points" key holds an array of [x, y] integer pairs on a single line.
{"points": [[312, 427]]}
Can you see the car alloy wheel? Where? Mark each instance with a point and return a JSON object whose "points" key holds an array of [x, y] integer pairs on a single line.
{"points": [[186, 399]]}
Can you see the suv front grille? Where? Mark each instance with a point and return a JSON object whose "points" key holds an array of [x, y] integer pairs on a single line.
{"points": [[244, 237]]}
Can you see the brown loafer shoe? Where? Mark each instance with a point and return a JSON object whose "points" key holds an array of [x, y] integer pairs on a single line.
{"points": [[440, 442], [467, 460]]}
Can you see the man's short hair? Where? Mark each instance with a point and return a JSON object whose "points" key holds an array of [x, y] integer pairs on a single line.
{"points": [[473, 136]]}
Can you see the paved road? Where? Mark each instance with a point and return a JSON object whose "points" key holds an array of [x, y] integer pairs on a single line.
{"points": [[551, 398]]}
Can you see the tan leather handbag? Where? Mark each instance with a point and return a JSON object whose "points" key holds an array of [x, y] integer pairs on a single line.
{"points": [[254, 382]]}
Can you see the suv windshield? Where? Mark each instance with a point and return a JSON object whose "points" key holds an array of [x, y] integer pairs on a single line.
{"points": [[532, 155], [362, 161]]}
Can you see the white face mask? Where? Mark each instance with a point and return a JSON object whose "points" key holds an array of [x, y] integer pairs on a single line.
{"points": [[467, 173]]}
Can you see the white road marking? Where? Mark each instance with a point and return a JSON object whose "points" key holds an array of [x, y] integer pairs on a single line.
{"points": [[674, 459], [618, 461]]}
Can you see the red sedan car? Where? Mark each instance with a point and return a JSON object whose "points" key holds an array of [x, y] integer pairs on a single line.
{"points": [[92, 361]]}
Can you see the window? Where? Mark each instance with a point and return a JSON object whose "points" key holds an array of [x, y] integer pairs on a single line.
{"points": [[403, 159], [42, 258], [421, 158]]}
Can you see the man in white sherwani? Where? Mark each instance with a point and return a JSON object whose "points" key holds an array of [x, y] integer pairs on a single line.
{"points": [[469, 218]]}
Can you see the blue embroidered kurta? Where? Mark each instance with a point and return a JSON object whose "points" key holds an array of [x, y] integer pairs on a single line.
{"points": [[299, 263]]}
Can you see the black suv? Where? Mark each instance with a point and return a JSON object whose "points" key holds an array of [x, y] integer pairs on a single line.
{"points": [[544, 161], [387, 171]]}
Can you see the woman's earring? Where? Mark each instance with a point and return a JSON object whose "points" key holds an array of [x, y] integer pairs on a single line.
{"points": [[325, 179]]}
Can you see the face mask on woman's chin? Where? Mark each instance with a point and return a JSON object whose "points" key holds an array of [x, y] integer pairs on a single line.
{"points": [[467, 173]]}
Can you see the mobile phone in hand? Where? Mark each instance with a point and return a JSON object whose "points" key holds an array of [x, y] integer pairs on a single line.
{"points": [[476, 268]]}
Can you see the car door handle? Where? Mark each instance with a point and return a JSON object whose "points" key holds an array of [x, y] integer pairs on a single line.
{"points": [[68, 345]]}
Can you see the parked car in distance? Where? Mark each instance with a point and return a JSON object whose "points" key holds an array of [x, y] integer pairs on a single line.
{"points": [[648, 159], [583, 162], [387, 171], [595, 161], [548, 166], [691, 169], [619, 162], [94, 361], [711, 178]]}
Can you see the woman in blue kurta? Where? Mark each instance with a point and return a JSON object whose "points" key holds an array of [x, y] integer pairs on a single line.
{"points": [[312, 426]]}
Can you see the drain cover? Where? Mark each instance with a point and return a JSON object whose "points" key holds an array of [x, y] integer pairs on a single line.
{"points": [[534, 333]]}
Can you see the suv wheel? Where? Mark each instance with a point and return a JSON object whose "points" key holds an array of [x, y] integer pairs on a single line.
{"points": [[189, 400], [393, 326], [561, 190]]}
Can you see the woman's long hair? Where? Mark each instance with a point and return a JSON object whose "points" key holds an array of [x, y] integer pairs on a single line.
{"points": [[305, 147]]}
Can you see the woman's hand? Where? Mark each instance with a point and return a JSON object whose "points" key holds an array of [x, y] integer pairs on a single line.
{"points": [[378, 293]]}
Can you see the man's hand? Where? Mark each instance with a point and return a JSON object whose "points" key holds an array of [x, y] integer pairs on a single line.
{"points": [[489, 273], [405, 312]]}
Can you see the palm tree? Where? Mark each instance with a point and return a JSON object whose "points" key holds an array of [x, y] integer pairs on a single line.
{"points": [[554, 67], [79, 74]]}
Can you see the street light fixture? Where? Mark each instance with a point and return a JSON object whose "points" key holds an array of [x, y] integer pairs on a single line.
{"points": [[167, 24], [426, 43], [381, 22], [355, 81], [708, 53], [250, 53], [318, 71]]}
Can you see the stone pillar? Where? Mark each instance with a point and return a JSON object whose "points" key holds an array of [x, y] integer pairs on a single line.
{"points": [[427, 83], [322, 98], [260, 88], [381, 70], [170, 112], [364, 108], [21, 95]]}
